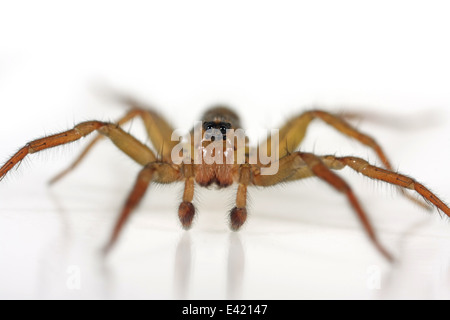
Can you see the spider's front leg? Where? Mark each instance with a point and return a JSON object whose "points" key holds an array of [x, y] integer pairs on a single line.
{"points": [[397, 179], [158, 130], [301, 165], [159, 172], [186, 210], [294, 131], [124, 141], [238, 215]]}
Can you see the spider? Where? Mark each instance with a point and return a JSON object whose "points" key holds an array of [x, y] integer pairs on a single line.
{"points": [[218, 121]]}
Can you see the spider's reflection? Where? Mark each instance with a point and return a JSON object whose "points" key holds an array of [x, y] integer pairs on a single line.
{"points": [[183, 267], [183, 261]]}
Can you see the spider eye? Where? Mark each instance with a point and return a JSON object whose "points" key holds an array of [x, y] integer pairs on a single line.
{"points": [[208, 126], [223, 130]]}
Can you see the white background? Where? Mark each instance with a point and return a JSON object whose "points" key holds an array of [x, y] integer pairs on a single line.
{"points": [[269, 60]]}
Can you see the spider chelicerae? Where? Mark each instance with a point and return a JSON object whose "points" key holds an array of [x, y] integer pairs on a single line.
{"points": [[224, 163]]}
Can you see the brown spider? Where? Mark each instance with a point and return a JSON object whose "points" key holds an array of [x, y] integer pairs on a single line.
{"points": [[218, 121]]}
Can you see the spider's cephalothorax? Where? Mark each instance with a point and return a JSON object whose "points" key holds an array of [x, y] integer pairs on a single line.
{"points": [[222, 115], [215, 128], [292, 165], [217, 145], [217, 121]]}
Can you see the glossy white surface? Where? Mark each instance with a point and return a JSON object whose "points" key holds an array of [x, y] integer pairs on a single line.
{"points": [[269, 61]]}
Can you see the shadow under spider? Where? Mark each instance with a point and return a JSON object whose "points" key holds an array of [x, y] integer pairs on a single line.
{"points": [[183, 267]]}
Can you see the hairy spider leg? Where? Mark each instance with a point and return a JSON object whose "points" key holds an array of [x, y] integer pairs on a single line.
{"points": [[158, 130], [294, 131], [159, 172], [299, 165], [238, 215], [374, 172], [186, 210], [325, 174], [124, 141]]}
